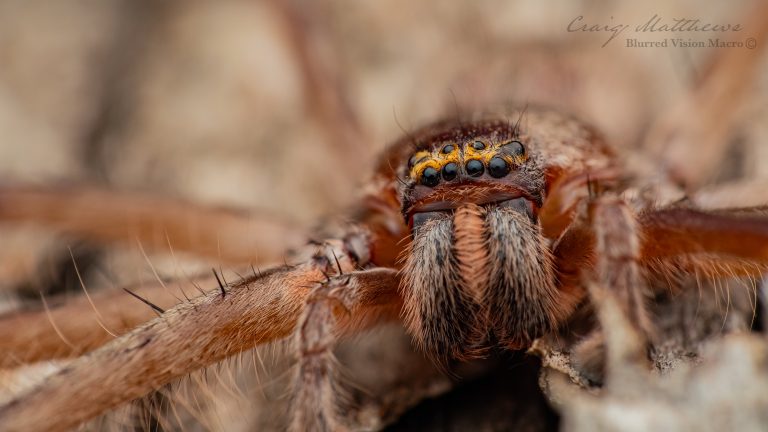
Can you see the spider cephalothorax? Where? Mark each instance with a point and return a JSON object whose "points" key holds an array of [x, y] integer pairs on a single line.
{"points": [[479, 271]]}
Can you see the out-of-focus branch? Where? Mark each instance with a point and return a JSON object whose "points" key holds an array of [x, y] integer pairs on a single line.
{"points": [[692, 136], [325, 89]]}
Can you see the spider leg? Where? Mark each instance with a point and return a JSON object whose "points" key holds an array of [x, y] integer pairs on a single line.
{"points": [[607, 258], [682, 240], [69, 327], [623, 249], [619, 281], [561, 206], [157, 223], [316, 399], [737, 237], [185, 338]]}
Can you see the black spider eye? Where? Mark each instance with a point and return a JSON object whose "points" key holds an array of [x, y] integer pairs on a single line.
{"points": [[412, 161], [474, 168], [478, 145], [430, 177], [514, 148], [498, 167], [447, 149], [450, 171]]}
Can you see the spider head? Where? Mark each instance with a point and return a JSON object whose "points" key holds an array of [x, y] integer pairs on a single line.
{"points": [[481, 163], [478, 272]]}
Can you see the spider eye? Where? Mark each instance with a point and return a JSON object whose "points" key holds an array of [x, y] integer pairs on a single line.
{"points": [[430, 177], [413, 161], [498, 167], [450, 171], [478, 145], [514, 148], [448, 149], [474, 168]]}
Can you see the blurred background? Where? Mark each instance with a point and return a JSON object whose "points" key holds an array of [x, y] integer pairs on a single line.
{"points": [[227, 102]]}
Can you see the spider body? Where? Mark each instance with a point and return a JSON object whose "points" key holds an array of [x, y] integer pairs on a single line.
{"points": [[478, 270]]}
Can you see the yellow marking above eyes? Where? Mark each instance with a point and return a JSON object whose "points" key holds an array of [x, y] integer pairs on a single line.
{"points": [[454, 156], [484, 155], [421, 156], [436, 159], [429, 163]]}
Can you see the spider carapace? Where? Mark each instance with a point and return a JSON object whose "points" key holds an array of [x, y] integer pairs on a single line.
{"points": [[480, 271]]}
